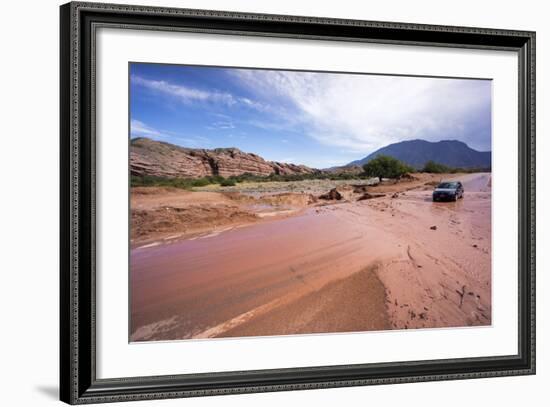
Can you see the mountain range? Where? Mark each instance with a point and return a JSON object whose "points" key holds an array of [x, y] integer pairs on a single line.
{"points": [[416, 153]]}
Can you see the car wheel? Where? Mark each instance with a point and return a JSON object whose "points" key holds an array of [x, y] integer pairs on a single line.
{"points": [[455, 197]]}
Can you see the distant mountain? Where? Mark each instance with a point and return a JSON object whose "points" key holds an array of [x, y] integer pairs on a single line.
{"points": [[157, 158], [416, 153]]}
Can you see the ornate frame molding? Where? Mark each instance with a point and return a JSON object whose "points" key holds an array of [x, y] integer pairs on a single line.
{"points": [[79, 21]]}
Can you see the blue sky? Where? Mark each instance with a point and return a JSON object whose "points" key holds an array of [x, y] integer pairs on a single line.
{"points": [[317, 119]]}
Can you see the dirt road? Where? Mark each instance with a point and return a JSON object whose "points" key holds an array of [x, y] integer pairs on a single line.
{"points": [[394, 262]]}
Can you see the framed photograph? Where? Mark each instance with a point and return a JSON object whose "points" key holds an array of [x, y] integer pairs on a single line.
{"points": [[254, 203]]}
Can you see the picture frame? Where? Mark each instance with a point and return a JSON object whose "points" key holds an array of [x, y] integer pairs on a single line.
{"points": [[79, 383]]}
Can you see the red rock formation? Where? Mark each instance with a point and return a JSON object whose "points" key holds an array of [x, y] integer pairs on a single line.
{"points": [[149, 157]]}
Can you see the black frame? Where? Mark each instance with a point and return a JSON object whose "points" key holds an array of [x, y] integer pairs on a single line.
{"points": [[78, 382]]}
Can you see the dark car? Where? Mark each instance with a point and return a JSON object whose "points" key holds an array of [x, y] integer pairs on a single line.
{"points": [[448, 191]]}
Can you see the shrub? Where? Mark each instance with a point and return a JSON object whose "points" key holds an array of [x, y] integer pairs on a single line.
{"points": [[228, 183], [436, 168], [384, 166], [216, 179], [188, 183], [183, 183], [201, 182]]}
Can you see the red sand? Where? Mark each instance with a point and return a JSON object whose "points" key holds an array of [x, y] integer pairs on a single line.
{"points": [[353, 266]]}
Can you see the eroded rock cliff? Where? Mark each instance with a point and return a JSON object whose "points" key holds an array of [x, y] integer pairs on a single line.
{"points": [[149, 157]]}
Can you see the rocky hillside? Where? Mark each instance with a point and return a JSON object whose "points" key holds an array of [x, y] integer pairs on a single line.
{"points": [[416, 153], [149, 157]]}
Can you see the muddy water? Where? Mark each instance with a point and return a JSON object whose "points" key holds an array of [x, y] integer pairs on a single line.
{"points": [[201, 283], [245, 281]]}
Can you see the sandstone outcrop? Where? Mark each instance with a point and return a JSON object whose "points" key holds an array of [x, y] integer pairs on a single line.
{"points": [[332, 195], [342, 192], [367, 195], [156, 158]]}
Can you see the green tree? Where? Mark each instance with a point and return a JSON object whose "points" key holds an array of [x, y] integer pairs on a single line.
{"points": [[436, 168], [384, 166]]}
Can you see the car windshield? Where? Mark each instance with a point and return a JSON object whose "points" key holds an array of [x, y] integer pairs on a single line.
{"points": [[447, 185]]}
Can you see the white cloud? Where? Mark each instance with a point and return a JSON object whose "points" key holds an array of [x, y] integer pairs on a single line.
{"points": [[221, 125], [140, 129], [184, 93], [364, 112], [188, 94]]}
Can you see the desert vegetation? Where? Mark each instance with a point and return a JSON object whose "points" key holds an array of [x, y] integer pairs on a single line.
{"points": [[385, 166], [379, 167], [190, 183], [433, 167]]}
